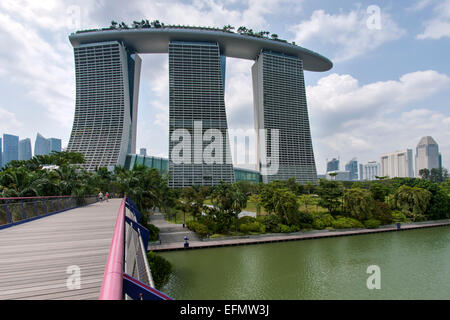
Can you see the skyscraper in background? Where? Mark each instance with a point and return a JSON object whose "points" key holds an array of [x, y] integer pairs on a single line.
{"points": [[25, 149], [55, 145], [427, 155], [10, 148], [369, 171], [397, 164], [41, 145], [352, 167], [333, 165]]}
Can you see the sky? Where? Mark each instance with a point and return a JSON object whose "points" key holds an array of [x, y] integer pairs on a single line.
{"points": [[388, 87]]}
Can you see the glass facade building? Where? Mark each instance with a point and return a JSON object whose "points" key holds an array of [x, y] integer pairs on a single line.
{"points": [[25, 149], [427, 155], [10, 148], [161, 164], [41, 145], [55, 145], [352, 167], [333, 165], [280, 103], [196, 107]]}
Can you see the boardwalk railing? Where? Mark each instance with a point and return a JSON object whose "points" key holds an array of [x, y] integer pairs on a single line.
{"points": [[22, 209], [127, 273]]}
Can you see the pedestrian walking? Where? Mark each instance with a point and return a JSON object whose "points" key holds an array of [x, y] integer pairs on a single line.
{"points": [[106, 196], [100, 196]]}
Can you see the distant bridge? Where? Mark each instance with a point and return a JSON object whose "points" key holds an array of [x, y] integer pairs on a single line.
{"points": [[50, 248]]}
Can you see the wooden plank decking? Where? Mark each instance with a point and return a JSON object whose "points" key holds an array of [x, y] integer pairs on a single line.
{"points": [[34, 256]]}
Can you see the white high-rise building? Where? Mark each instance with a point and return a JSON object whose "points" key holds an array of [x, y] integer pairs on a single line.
{"points": [[427, 155], [397, 164], [369, 171]]}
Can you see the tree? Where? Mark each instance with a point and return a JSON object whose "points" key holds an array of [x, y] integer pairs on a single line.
{"points": [[286, 206], [330, 193], [359, 203], [294, 186], [229, 200], [227, 28], [242, 30], [379, 191], [255, 198], [413, 201], [192, 201], [333, 175], [424, 173]]}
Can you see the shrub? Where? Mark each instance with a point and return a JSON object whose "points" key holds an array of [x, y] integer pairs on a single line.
{"points": [[210, 224], [347, 223], [398, 216], [161, 269], [198, 227], [284, 228], [246, 220], [372, 223], [270, 223], [252, 227], [305, 218], [326, 220], [154, 232]]}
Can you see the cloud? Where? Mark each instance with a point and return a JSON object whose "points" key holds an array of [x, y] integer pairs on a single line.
{"points": [[9, 122], [348, 33], [439, 26], [350, 119]]}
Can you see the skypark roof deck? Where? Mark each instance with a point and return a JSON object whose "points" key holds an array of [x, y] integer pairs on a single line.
{"points": [[235, 45]]}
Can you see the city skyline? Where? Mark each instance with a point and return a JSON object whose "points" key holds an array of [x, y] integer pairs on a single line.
{"points": [[21, 149], [363, 106]]}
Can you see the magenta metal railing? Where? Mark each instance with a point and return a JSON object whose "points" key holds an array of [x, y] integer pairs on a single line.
{"points": [[112, 285], [127, 273]]}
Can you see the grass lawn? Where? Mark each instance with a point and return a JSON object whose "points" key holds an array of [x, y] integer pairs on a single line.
{"points": [[178, 217]]}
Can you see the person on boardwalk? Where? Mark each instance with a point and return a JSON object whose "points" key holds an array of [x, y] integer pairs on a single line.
{"points": [[106, 196], [100, 196]]}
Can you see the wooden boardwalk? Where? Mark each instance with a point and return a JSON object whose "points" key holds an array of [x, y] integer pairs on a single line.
{"points": [[288, 237], [34, 256]]}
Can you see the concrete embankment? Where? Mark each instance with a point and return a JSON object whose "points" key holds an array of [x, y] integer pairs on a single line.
{"points": [[196, 243]]}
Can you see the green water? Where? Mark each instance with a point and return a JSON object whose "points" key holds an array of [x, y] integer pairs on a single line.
{"points": [[414, 265]]}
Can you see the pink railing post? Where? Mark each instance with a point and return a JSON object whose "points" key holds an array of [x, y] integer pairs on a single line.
{"points": [[112, 285]]}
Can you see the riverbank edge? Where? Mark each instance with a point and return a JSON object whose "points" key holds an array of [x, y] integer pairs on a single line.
{"points": [[277, 237]]}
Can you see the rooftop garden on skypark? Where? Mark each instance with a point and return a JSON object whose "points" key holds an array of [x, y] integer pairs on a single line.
{"points": [[156, 24]]}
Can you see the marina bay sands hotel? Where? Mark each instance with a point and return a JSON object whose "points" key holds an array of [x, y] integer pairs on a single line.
{"points": [[108, 65]]}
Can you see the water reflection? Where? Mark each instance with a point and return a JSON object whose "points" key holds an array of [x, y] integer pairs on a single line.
{"points": [[414, 265]]}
